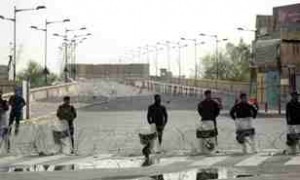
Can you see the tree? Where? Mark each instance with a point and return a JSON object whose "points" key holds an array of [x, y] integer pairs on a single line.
{"points": [[35, 74], [233, 63]]}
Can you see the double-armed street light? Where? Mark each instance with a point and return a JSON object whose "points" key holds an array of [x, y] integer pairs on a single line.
{"points": [[196, 43], [217, 40], [14, 20], [179, 46], [65, 45], [167, 44], [73, 41], [47, 23]]}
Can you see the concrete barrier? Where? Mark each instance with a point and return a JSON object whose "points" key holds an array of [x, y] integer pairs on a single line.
{"points": [[70, 89]]}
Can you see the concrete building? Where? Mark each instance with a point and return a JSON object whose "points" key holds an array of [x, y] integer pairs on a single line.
{"points": [[112, 70], [276, 66]]}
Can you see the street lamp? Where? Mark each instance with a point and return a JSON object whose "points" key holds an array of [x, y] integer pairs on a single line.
{"points": [[217, 53], [79, 29], [65, 54], [14, 20], [47, 23], [75, 43], [195, 50], [179, 46], [82, 35], [66, 37], [167, 44]]}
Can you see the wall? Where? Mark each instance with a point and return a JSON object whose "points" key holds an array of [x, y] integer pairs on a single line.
{"points": [[290, 53], [50, 91], [112, 70]]}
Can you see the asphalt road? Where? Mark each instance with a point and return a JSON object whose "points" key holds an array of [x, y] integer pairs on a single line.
{"points": [[114, 126]]}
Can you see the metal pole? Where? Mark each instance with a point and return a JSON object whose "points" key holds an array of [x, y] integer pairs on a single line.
{"points": [[15, 44], [217, 61], [196, 68], [140, 55], [74, 61], [169, 57], [46, 51], [179, 62], [66, 62], [156, 61], [148, 59]]}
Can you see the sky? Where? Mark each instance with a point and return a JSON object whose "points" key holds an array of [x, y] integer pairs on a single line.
{"points": [[119, 27]]}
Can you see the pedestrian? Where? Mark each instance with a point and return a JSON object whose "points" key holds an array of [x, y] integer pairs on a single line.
{"points": [[243, 114], [67, 112], [157, 115], [293, 123], [207, 132], [4, 129], [17, 103]]}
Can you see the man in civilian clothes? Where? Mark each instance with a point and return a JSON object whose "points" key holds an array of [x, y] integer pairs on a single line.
{"points": [[207, 133], [157, 114], [68, 113]]}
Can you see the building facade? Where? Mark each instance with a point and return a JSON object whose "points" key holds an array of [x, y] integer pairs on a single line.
{"points": [[277, 56]]}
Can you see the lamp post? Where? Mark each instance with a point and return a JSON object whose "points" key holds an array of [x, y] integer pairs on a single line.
{"points": [[75, 43], [67, 31], [14, 20], [77, 40], [179, 46], [65, 43], [167, 44], [217, 40], [47, 23], [195, 55]]}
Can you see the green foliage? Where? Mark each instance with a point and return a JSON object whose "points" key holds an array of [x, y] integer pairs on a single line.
{"points": [[233, 63], [35, 74]]}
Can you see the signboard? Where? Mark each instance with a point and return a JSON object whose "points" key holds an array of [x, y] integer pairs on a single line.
{"points": [[287, 20], [266, 51], [287, 16]]}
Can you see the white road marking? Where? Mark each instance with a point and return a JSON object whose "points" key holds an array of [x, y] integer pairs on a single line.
{"points": [[254, 160], [209, 161], [5, 160], [89, 159], [41, 160], [293, 161], [168, 161]]}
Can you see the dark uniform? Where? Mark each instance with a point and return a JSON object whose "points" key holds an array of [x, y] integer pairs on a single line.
{"points": [[68, 113], [17, 103], [293, 122], [242, 113], [209, 110], [157, 114]]}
